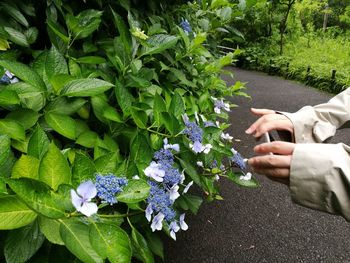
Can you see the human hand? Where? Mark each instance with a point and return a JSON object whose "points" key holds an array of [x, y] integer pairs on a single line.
{"points": [[269, 120], [273, 166]]}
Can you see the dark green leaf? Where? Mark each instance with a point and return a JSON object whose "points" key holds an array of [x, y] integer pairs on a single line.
{"points": [[26, 117], [85, 23], [107, 163], [66, 106], [55, 63], [155, 244], [159, 43], [191, 171], [14, 12], [190, 202], [51, 229], [140, 150], [159, 106], [14, 213], [140, 117], [252, 183], [83, 169], [17, 36], [135, 191], [22, 244], [141, 249], [177, 107], [91, 60], [124, 98], [87, 139], [171, 122]]}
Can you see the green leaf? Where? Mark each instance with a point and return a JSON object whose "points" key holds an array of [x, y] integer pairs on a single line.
{"points": [[190, 202], [4, 45], [14, 213], [140, 150], [159, 106], [51, 229], [107, 163], [111, 242], [58, 81], [124, 98], [155, 244], [8, 97], [123, 31], [191, 171], [252, 183], [26, 117], [38, 196], [17, 37], [57, 31], [141, 249], [25, 73], [159, 43], [87, 139], [91, 60], [75, 236], [171, 123], [85, 87], [55, 63], [140, 117], [62, 124], [177, 107], [180, 75], [31, 34], [22, 244], [66, 106], [137, 82], [14, 12], [83, 169], [13, 129], [135, 191], [54, 169], [26, 166], [5, 148], [38, 143], [85, 23]]}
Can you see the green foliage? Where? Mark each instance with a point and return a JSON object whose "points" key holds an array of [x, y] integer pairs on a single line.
{"points": [[98, 93]]}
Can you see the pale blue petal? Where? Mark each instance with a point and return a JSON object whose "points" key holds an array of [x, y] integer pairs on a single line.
{"points": [[76, 199], [87, 190], [88, 209]]}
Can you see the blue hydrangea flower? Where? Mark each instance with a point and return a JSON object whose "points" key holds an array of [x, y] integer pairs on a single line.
{"points": [[8, 78], [209, 124], [238, 160], [172, 177], [186, 26], [165, 158], [194, 132], [108, 186], [159, 202], [81, 199]]}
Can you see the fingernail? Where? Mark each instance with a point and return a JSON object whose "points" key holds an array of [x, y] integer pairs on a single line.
{"points": [[248, 131]]}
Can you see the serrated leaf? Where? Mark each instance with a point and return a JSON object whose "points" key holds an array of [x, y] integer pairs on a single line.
{"points": [[31, 34], [51, 229], [38, 143], [87, 139], [111, 242], [85, 87], [54, 169], [177, 107], [91, 60], [55, 63], [5, 148], [135, 191], [26, 117], [14, 12], [66, 106], [75, 236], [62, 124], [56, 30], [170, 122], [190, 202], [191, 171], [83, 169], [22, 244], [38, 196], [8, 97], [140, 150], [159, 43], [25, 73], [159, 106], [13, 129], [14, 213], [85, 23], [124, 98], [107, 163], [140, 117], [26, 166], [17, 37]]}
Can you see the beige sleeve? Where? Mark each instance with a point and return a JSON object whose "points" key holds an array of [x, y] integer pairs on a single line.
{"points": [[320, 177], [318, 123]]}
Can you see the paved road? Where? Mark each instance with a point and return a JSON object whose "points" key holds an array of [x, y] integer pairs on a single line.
{"points": [[262, 225]]}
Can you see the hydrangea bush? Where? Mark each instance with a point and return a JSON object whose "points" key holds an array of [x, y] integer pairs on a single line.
{"points": [[108, 116]]}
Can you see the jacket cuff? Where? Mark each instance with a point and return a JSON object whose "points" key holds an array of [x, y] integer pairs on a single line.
{"points": [[320, 177]]}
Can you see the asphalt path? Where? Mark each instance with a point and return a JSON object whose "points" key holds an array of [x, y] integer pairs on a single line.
{"points": [[262, 225]]}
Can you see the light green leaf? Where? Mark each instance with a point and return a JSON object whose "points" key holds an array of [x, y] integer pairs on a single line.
{"points": [[62, 124], [140, 117], [14, 213], [159, 43], [51, 229], [38, 196], [22, 244], [87, 139], [111, 242], [25, 73], [26, 117], [58, 81], [8, 97], [107, 163], [17, 37], [83, 169], [54, 169], [31, 34], [85, 87], [75, 235], [14, 12], [4, 44], [5, 148], [56, 30], [55, 63], [26, 166], [38, 143], [135, 191], [66, 106], [85, 23], [13, 129]]}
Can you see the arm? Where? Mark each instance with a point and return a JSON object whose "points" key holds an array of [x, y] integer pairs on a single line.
{"points": [[316, 124]]}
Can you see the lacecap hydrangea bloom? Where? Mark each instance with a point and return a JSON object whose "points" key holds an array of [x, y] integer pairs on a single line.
{"points": [[108, 186], [81, 198], [185, 25]]}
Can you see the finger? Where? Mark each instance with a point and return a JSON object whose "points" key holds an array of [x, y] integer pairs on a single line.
{"points": [[277, 147], [270, 161], [261, 112], [271, 124], [274, 173]]}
